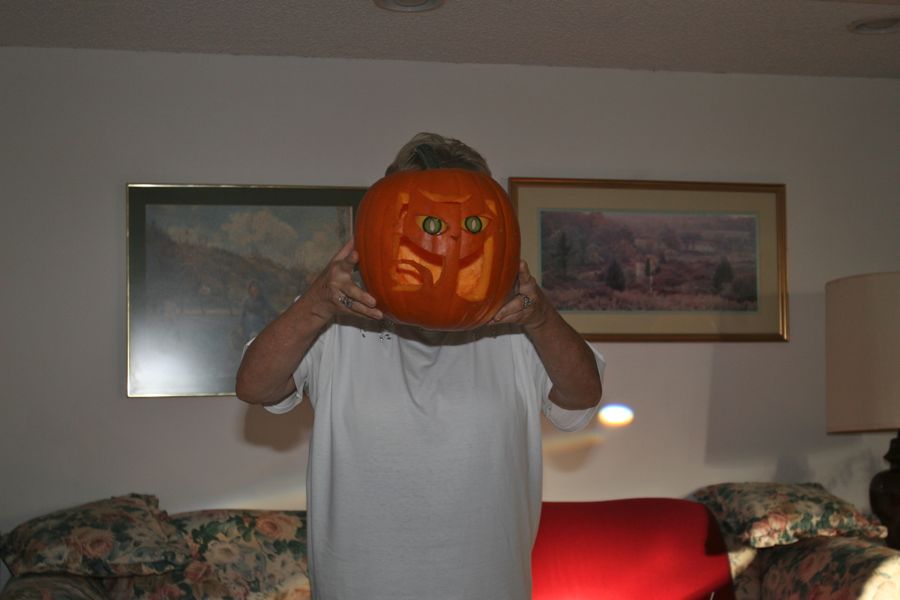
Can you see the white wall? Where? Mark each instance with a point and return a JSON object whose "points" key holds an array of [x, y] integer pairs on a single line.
{"points": [[76, 126]]}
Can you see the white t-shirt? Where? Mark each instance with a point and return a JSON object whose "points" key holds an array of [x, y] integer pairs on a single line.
{"points": [[424, 477]]}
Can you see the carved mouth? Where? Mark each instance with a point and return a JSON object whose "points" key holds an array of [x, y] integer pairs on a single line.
{"points": [[417, 267]]}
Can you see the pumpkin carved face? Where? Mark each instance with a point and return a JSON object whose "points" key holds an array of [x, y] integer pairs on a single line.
{"points": [[438, 248]]}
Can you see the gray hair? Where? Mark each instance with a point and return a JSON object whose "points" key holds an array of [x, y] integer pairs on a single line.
{"points": [[433, 151]]}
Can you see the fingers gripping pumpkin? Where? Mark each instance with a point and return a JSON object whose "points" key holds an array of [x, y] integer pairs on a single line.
{"points": [[438, 248]]}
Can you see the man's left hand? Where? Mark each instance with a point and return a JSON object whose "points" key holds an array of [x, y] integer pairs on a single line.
{"points": [[528, 307]]}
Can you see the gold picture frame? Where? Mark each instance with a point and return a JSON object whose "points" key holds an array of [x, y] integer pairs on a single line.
{"points": [[209, 265], [660, 261]]}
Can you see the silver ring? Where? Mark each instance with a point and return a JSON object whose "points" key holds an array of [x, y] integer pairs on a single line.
{"points": [[526, 301], [346, 300]]}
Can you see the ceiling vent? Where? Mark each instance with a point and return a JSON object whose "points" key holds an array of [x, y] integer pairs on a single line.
{"points": [[875, 26], [409, 5]]}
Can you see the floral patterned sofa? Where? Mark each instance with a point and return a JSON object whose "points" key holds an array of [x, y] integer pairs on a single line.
{"points": [[784, 542], [800, 542], [127, 548]]}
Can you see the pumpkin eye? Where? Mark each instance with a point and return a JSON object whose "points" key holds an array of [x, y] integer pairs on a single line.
{"points": [[474, 224], [432, 225]]}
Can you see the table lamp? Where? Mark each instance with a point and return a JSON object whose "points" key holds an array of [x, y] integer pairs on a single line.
{"points": [[862, 348]]}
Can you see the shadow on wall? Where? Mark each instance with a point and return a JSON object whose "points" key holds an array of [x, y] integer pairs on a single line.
{"points": [[767, 402], [282, 433], [568, 451]]}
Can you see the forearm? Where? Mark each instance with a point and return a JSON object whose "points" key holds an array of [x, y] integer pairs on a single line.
{"points": [[568, 360], [265, 375]]}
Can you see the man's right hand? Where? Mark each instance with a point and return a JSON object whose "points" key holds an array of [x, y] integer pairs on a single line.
{"points": [[265, 375], [335, 292]]}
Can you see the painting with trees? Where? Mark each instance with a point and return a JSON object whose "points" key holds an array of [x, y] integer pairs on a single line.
{"points": [[633, 260], [615, 260]]}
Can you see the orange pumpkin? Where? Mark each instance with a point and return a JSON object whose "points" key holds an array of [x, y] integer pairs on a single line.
{"points": [[438, 248]]}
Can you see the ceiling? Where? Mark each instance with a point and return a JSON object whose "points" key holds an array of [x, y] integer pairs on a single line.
{"points": [[789, 37]]}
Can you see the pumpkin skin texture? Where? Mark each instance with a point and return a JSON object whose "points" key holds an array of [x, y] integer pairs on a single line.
{"points": [[438, 248]]}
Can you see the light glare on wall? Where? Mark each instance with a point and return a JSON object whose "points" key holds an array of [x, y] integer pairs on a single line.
{"points": [[616, 415]]}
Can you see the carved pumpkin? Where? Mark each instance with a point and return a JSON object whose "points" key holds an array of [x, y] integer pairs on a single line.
{"points": [[438, 248]]}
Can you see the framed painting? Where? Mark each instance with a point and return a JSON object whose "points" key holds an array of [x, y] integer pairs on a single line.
{"points": [[658, 260], [210, 265]]}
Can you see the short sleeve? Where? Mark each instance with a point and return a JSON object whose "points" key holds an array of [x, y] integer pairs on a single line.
{"points": [[285, 405], [562, 418], [305, 375]]}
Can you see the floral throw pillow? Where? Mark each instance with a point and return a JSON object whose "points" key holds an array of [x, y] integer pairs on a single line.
{"points": [[772, 514], [124, 535]]}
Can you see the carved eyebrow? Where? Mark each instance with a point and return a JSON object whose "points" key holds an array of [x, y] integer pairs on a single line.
{"points": [[446, 198]]}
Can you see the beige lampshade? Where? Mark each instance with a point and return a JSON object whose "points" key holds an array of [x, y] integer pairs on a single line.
{"points": [[862, 349]]}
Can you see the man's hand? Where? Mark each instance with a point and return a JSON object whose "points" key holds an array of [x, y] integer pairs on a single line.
{"points": [[567, 358], [334, 292], [529, 306], [265, 375]]}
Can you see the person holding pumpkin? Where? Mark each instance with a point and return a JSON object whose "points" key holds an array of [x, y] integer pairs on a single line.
{"points": [[428, 384]]}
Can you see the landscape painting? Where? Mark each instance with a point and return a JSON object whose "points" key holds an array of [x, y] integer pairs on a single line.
{"points": [[648, 261], [210, 266], [630, 260]]}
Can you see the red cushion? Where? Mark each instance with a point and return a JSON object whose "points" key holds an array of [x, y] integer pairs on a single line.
{"points": [[659, 548]]}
